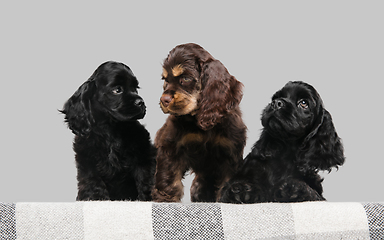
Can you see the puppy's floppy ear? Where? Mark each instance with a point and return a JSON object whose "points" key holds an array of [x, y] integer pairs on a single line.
{"points": [[78, 111], [221, 93], [322, 149]]}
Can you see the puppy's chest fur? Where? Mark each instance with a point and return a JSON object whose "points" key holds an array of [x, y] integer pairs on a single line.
{"points": [[199, 149], [282, 167], [113, 153]]}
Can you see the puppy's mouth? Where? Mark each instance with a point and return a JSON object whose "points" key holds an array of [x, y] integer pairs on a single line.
{"points": [[134, 111], [272, 123], [139, 115], [179, 104], [284, 127]]}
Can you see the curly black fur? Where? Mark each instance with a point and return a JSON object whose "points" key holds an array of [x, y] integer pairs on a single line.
{"points": [[298, 140], [114, 156]]}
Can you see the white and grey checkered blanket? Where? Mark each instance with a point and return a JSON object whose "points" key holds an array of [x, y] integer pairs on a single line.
{"points": [[148, 220]]}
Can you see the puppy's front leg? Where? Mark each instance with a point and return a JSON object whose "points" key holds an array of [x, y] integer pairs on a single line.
{"points": [[91, 188], [169, 173], [144, 181], [203, 189]]}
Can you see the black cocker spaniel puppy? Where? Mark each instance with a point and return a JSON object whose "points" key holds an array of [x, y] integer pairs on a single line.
{"points": [[114, 156], [298, 139], [204, 131]]}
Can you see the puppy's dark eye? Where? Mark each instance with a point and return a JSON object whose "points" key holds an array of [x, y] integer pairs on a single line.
{"points": [[303, 104], [117, 90], [185, 80]]}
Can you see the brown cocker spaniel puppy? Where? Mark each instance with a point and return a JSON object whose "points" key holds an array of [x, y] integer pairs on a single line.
{"points": [[204, 131]]}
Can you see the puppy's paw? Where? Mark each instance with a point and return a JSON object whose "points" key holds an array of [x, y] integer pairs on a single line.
{"points": [[238, 193], [286, 192], [296, 191], [93, 192], [93, 197]]}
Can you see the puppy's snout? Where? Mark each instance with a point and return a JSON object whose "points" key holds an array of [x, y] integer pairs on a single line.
{"points": [[166, 100], [277, 104], [139, 102]]}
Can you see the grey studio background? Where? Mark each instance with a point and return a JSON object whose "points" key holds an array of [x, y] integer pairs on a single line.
{"points": [[49, 48]]}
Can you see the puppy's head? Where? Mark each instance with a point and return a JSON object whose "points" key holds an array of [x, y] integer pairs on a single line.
{"points": [[197, 84], [293, 112], [110, 94], [297, 115]]}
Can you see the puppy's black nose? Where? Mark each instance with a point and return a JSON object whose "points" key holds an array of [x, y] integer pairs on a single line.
{"points": [[277, 104], [139, 102]]}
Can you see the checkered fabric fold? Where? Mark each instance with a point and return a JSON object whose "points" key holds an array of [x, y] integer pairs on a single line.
{"points": [[148, 220]]}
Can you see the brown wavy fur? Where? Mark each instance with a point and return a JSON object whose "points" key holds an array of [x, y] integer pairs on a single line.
{"points": [[204, 131]]}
